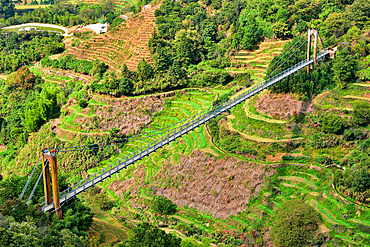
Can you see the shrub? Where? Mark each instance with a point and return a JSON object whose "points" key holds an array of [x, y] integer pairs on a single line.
{"points": [[147, 235], [361, 113], [323, 159], [331, 124], [164, 205], [83, 103], [355, 134], [102, 201], [296, 224], [321, 140]]}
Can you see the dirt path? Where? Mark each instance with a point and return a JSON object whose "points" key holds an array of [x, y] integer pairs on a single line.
{"points": [[82, 133], [298, 179], [355, 97], [255, 138], [258, 117], [362, 84]]}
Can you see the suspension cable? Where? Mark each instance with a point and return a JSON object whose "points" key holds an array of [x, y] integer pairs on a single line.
{"points": [[29, 179], [38, 180]]}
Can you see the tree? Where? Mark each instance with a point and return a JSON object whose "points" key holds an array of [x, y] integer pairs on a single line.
{"points": [[126, 86], [164, 206], [108, 6], [7, 9], [281, 29], [249, 32], [361, 113], [83, 103], [147, 235], [345, 67], [145, 70], [361, 181], [102, 201], [334, 23], [19, 210], [359, 12], [188, 47], [331, 123], [296, 223], [364, 72]]}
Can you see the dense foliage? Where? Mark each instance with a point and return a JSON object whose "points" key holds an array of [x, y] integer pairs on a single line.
{"points": [[62, 13], [19, 49], [355, 180], [147, 235], [93, 68], [22, 225], [164, 206], [296, 224]]}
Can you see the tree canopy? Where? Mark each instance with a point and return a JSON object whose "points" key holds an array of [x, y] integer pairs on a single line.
{"points": [[295, 224]]}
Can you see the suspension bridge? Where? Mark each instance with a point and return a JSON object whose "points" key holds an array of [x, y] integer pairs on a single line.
{"points": [[169, 133]]}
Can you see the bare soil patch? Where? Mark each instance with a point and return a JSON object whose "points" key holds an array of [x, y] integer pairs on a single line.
{"points": [[128, 115], [219, 187], [281, 106]]}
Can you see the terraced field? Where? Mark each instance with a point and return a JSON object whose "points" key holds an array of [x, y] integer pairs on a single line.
{"points": [[127, 43], [257, 61]]}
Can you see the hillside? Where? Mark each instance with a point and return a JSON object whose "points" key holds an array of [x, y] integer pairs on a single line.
{"points": [[257, 61], [289, 166], [127, 43]]}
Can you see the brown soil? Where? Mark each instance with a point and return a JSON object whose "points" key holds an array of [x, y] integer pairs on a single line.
{"points": [[281, 106], [219, 187], [128, 115]]}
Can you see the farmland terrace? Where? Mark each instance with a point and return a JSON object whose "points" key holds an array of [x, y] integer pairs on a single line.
{"points": [[127, 43]]}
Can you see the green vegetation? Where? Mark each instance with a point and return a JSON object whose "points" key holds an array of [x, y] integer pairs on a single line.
{"points": [[19, 49], [296, 224], [164, 206], [61, 13], [290, 167], [147, 235], [93, 68]]}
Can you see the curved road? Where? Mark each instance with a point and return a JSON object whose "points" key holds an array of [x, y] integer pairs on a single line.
{"points": [[41, 25]]}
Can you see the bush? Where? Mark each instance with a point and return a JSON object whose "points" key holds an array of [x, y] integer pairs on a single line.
{"points": [[355, 134], [331, 124], [324, 160], [321, 140], [361, 113], [164, 205], [296, 224], [301, 159], [147, 235], [83, 103], [102, 201]]}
